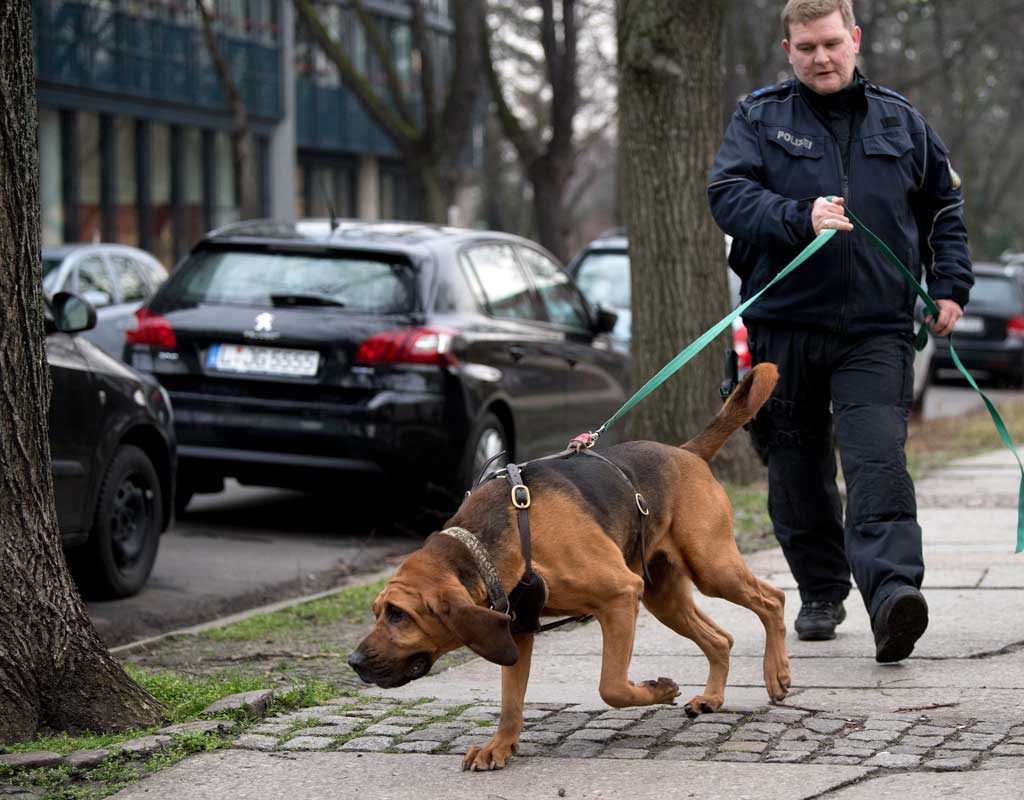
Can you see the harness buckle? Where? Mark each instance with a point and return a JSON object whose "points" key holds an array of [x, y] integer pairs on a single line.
{"points": [[642, 504], [525, 502], [584, 441]]}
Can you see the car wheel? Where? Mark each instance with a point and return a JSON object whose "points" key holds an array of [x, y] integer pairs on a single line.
{"points": [[123, 543], [486, 440]]}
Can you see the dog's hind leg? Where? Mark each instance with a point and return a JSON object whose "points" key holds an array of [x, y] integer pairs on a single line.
{"points": [[671, 601], [737, 584], [617, 618], [496, 753]]}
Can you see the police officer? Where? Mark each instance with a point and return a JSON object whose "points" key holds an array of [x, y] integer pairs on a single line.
{"points": [[840, 328]]}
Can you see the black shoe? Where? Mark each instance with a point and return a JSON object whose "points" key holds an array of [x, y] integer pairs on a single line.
{"points": [[817, 620], [898, 624]]}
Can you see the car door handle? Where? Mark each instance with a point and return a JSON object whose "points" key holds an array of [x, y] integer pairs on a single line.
{"points": [[517, 352]]}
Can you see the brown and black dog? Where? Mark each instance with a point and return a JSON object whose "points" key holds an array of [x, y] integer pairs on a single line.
{"points": [[584, 521]]}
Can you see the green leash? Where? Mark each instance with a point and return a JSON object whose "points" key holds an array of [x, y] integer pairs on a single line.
{"points": [[932, 308], [816, 244]]}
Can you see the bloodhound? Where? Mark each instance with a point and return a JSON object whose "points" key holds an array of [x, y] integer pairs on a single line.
{"points": [[584, 525]]}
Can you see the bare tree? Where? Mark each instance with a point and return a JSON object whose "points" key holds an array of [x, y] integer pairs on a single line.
{"points": [[54, 671], [242, 149], [669, 115], [546, 150], [433, 139]]}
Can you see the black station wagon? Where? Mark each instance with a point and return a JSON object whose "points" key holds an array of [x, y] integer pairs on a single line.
{"points": [[319, 355]]}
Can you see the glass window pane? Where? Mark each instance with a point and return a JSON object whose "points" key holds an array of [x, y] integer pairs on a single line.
{"points": [[561, 300], [130, 283], [504, 286], [93, 282]]}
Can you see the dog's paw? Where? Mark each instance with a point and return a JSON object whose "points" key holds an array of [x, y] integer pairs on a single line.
{"points": [[663, 690], [777, 680], [702, 705], [493, 755]]}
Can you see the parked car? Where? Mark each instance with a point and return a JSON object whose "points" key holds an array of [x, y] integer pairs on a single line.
{"points": [[113, 278], [601, 270], [399, 354], [989, 338], [112, 450]]}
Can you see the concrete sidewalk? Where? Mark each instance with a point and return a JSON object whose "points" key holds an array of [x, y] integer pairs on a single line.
{"points": [[948, 720]]}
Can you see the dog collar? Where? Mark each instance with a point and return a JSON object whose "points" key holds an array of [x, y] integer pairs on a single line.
{"points": [[495, 591]]}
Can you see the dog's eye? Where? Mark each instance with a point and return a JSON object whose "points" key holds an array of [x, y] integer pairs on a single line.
{"points": [[395, 615]]}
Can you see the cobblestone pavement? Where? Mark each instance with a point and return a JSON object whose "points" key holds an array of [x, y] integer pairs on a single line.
{"points": [[768, 734]]}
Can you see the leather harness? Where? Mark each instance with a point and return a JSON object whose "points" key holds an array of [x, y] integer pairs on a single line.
{"points": [[528, 598]]}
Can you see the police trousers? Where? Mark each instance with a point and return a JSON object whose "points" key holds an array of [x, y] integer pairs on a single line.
{"points": [[854, 392]]}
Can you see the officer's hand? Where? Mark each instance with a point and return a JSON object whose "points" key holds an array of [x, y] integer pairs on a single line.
{"points": [[826, 215], [949, 314]]}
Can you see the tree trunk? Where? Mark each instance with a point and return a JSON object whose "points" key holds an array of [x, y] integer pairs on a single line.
{"points": [[435, 191], [54, 671], [548, 207], [670, 128]]}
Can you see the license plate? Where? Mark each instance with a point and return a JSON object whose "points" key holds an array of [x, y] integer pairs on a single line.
{"points": [[247, 360], [970, 325]]}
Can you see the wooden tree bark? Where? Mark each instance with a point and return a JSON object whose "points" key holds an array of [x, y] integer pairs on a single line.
{"points": [[54, 671], [670, 129]]}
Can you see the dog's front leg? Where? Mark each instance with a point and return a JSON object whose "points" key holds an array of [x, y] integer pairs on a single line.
{"points": [[496, 753], [618, 627]]}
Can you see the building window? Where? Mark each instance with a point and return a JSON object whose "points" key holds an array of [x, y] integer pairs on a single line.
{"points": [[125, 209], [88, 212], [225, 204], [193, 188], [51, 197], [161, 222]]}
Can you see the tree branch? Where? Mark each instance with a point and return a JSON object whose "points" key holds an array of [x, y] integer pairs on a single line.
{"points": [[383, 53], [528, 149], [426, 66], [402, 132]]}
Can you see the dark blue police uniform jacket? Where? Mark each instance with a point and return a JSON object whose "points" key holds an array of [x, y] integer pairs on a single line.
{"points": [[779, 155]]}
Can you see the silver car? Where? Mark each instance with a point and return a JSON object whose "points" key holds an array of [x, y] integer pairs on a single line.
{"points": [[114, 278]]}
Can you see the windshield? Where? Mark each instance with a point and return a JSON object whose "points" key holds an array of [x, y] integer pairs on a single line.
{"points": [[257, 278], [603, 277]]}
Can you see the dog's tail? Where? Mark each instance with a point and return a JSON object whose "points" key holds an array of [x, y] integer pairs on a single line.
{"points": [[741, 407]]}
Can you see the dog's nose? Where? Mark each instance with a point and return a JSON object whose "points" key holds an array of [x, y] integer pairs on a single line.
{"points": [[357, 661]]}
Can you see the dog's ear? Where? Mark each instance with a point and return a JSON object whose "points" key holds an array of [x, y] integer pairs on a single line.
{"points": [[483, 630]]}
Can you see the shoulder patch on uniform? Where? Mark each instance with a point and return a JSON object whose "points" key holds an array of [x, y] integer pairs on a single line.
{"points": [[890, 92], [775, 87]]}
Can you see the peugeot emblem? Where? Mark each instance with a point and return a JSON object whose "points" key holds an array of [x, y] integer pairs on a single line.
{"points": [[264, 322]]}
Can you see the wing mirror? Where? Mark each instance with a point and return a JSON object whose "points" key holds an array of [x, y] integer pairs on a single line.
{"points": [[605, 320], [72, 314]]}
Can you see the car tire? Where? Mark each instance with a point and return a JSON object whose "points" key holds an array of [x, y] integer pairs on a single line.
{"points": [[122, 546], [488, 438]]}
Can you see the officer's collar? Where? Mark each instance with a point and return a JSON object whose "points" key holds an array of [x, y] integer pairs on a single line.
{"points": [[847, 97]]}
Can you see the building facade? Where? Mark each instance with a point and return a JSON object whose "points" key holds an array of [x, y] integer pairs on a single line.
{"points": [[135, 128]]}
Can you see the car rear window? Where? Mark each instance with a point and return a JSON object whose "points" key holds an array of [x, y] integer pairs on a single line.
{"points": [[255, 278], [995, 294], [603, 277]]}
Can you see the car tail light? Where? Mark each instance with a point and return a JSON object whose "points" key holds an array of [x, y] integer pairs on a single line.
{"points": [[408, 346], [739, 344], [152, 330], [1015, 328]]}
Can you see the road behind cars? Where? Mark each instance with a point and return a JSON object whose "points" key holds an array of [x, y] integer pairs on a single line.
{"points": [[245, 548]]}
